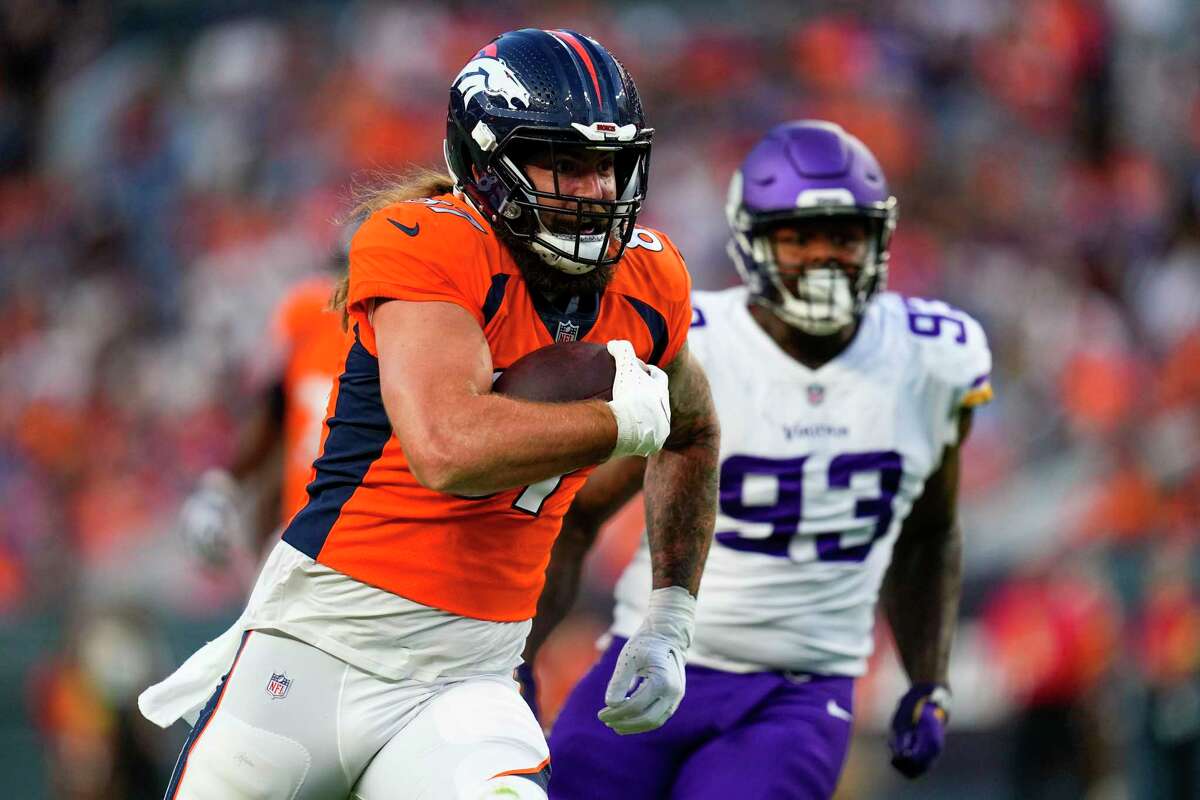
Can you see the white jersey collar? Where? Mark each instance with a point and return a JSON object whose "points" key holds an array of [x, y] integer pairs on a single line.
{"points": [[866, 340]]}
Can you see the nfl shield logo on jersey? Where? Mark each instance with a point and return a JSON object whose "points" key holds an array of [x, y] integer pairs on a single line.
{"points": [[278, 686], [816, 394], [567, 332]]}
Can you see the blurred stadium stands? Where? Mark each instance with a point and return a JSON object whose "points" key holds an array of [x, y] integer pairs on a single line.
{"points": [[169, 168]]}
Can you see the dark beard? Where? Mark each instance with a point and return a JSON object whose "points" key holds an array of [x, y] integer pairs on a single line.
{"points": [[549, 282]]}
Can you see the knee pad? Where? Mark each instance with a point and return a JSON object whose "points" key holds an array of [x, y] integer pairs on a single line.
{"points": [[233, 760]]}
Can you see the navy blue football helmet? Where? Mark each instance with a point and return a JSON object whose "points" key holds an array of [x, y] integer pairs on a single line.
{"points": [[534, 90]]}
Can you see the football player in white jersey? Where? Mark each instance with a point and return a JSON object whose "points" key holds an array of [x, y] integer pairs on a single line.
{"points": [[843, 409]]}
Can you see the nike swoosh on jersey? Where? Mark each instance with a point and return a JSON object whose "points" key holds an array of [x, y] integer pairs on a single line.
{"points": [[413, 231], [834, 710]]}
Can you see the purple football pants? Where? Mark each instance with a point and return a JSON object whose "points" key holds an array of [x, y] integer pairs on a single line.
{"points": [[756, 736]]}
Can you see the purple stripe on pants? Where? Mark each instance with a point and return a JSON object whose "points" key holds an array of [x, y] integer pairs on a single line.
{"points": [[755, 736]]}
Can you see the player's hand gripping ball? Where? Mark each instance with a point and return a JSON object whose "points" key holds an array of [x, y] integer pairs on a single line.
{"points": [[919, 728], [640, 402], [636, 392]]}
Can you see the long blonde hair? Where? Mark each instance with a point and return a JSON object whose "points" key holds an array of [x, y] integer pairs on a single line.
{"points": [[413, 184]]}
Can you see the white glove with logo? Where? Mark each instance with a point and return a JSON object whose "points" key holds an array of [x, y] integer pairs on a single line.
{"points": [[651, 664], [640, 403], [209, 521]]}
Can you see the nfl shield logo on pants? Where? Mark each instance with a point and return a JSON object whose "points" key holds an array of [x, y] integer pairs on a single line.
{"points": [[278, 686]]}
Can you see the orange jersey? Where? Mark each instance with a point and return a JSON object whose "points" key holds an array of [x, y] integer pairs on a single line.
{"points": [[368, 517], [314, 347]]}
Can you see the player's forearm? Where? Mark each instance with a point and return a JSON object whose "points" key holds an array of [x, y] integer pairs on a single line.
{"points": [[490, 443], [921, 596], [681, 505]]}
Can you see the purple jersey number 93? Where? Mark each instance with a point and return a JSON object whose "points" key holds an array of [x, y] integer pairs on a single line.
{"points": [[785, 514]]}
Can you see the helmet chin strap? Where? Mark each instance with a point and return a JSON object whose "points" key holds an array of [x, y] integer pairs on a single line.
{"points": [[557, 260], [814, 327], [831, 300], [754, 280], [545, 241]]}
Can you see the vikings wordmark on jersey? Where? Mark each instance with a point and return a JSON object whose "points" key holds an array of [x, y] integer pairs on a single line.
{"points": [[819, 468]]}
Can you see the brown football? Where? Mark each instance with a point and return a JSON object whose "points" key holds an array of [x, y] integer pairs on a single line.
{"points": [[560, 373]]}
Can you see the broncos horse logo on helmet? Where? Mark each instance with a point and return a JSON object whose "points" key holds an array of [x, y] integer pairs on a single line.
{"points": [[804, 170], [538, 89], [492, 77]]}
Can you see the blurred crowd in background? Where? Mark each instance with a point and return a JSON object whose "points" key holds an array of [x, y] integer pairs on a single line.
{"points": [[168, 169]]}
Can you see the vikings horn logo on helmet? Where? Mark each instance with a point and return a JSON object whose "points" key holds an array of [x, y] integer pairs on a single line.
{"points": [[492, 77]]}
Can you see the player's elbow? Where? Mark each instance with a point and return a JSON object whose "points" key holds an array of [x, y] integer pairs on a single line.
{"points": [[431, 469], [432, 451], [709, 431], [702, 433], [432, 444], [437, 464]]}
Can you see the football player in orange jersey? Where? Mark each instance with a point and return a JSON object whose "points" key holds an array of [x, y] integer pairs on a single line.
{"points": [[277, 447], [375, 656]]}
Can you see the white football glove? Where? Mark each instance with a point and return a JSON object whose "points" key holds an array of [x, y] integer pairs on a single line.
{"points": [[652, 661], [640, 403], [209, 521]]}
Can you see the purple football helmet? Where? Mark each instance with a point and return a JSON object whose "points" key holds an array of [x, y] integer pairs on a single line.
{"points": [[802, 170]]}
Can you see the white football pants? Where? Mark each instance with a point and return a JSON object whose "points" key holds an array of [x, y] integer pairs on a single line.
{"points": [[291, 722]]}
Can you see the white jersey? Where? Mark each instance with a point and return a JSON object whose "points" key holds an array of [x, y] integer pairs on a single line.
{"points": [[819, 468]]}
